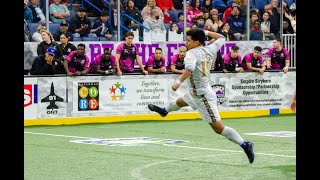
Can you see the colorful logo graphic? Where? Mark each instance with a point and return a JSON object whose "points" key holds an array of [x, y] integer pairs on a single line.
{"points": [[117, 92], [52, 98], [30, 95], [88, 98], [219, 90], [136, 141]]}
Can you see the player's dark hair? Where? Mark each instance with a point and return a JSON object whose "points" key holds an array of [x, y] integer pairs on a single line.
{"points": [[197, 34], [234, 48], [129, 34], [82, 45], [278, 39], [258, 48], [158, 49]]}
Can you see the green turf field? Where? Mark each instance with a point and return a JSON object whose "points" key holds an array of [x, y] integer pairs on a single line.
{"points": [[54, 152]]}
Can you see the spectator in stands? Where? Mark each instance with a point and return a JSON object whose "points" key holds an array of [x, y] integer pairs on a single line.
{"points": [[63, 29], [156, 63], [287, 28], [253, 61], [273, 10], [253, 17], [140, 4], [36, 36], [47, 41], [200, 22], [213, 23], [188, 12], [167, 18], [227, 32], [62, 2], [126, 55], [105, 63], [66, 49], [77, 62], [58, 12], [237, 24], [243, 9], [165, 4], [178, 4], [265, 26], [181, 22], [154, 22], [80, 24], [37, 13], [175, 27], [195, 10], [102, 28], [278, 57], [256, 33], [232, 61], [292, 16], [44, 63], [194, 26], [206, 7], [176, 63], [227, 12], [132, 11], [27, 12], [146, 11]]}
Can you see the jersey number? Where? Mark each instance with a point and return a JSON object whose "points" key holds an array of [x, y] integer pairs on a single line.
{"points": [[206, 66]]}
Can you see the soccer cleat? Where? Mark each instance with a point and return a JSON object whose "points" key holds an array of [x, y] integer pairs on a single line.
{"points": [[157, 109], [249, 151]]}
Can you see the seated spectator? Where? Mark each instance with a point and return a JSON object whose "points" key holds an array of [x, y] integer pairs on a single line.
{"points": [[181, 22], [213, 23], [44, 63], [193, 26], [62, 2], [27, 12], [146, 11], [232, 61], [66, 48], [104, 63], [47, 41], [133, 12], [227, 32], [265, 26], [126, 55], [256, 33], [102, 28], [189, 19], [37, 13], [36, 36], [77, 62], [140, 4], [253, 17], [58, 12], [237, 24], [165, 4], [206, 7], [156, 63], [167, 18], [200, 22], [174, 27], [253, 61], [287, 28], [63, 29], [278, 57], [80, 24], [178, 4], [227, 12], [176, 62], [153, 21], [195, 10]]}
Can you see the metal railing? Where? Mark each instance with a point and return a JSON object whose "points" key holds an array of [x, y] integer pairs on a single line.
{"points": [[132, 19], [97, 8], [289, 41]]}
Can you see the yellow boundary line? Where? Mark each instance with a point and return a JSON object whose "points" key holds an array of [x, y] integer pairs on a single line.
{"points": [[144, 117]]}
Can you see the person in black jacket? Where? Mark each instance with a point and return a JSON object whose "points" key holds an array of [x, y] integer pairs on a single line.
{"points": [[44, 64]]}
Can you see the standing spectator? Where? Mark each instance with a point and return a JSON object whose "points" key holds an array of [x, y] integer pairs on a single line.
{"points": [[44, 63], [27, 12], [105, 63], [77, 62], [66, 48], [278, 57], [146, 11], [153, 21], [36, 36], [176, 63], [102, 28], [156, 63], [237, 24], [195, 10], [37, 13], [47, 41], [126, 56], [213, 23], [227, 32], [80, 24], [253, 61], [232, 61], [63, 29], [165, 4], [273, 10], [181, 22], [256, 33], [58, 12]]}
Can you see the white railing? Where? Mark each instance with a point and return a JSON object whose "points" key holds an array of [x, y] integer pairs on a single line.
{"points": [[289, 41]]}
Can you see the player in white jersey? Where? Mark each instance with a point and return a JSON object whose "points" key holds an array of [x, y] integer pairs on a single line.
{"points": [[201, 96]]}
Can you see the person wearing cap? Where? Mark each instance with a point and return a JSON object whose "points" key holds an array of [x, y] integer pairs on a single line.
{"points": [[27, 12], [64, 28], [102, 28], [44, 63], [80, 24], [213, 23], [58, 12]]}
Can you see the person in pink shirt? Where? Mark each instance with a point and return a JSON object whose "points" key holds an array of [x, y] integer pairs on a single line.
{"points": [[278, 57], [156, 63], [165, 4], [104, 63], [126, 55], [176, 63], [253, 61], [77, 62], [195, 10], [232, 61]]}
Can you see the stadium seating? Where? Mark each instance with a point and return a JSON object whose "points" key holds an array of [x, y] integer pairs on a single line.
{"points": [[167, 26], [260, 4], [53, 28], [219, 5], [72, 13], [33, 27], [90, 39], [77, 39], [174, 15]]}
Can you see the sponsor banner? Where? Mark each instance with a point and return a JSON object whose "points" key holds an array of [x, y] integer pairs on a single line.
{"points": [[93, 48], [52, 97], [250, 91], [30, 98]]}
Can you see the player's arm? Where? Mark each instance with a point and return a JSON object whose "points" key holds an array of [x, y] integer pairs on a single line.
{"points": [[185, 74], [190, 65], [174, 70], [118, 64]]}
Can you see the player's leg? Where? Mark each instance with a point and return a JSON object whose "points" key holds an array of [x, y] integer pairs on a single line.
{"points": [[172, 106]]}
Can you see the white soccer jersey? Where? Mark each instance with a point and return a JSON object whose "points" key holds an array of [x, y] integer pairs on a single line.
{"points": [[199, 61]]}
